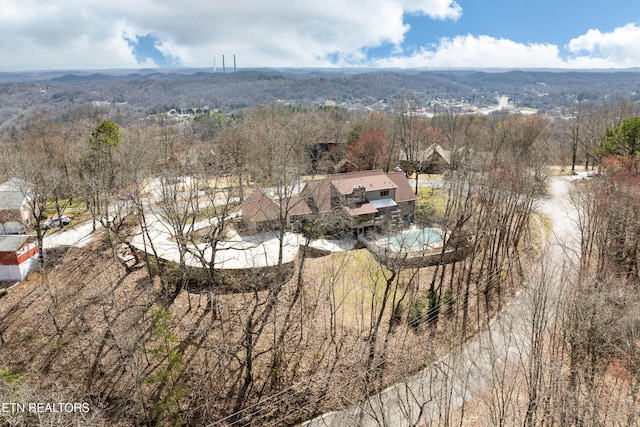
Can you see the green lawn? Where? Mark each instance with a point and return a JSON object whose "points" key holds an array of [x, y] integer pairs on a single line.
{"points": [[76, 208], [437, 197]]}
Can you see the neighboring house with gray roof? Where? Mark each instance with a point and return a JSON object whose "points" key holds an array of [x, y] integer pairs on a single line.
{"points": [[15, 214], [18, 256]]}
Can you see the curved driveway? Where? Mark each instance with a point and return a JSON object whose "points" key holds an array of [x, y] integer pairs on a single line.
{"points": [[489, 357], [237, 253]]}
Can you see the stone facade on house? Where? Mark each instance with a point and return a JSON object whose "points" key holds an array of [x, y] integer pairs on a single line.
{"points": [[361, 201]]}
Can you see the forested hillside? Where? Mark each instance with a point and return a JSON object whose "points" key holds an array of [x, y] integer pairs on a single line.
{"points": [[165, 333], [147, 92]]}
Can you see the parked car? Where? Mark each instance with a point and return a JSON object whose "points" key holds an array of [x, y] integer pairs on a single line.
{"points": [[54, 221]]}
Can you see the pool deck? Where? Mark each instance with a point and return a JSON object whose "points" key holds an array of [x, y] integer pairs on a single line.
{"points": [[422, 256]]}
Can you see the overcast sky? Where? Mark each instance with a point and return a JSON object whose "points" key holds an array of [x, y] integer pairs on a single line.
{"points": [[92, 34]]}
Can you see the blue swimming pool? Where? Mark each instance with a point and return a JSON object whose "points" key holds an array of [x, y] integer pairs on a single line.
{"points": [[416, 239]]}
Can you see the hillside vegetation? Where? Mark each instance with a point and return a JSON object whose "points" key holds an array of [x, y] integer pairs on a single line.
{"points": [[161, 342], [140, 93]]}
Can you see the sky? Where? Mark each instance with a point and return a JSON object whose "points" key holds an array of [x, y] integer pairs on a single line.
{"points": [[423, 34]]}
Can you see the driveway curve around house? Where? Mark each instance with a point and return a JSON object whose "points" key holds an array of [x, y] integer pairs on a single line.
{"points": [[257, 251], [490, 356]]}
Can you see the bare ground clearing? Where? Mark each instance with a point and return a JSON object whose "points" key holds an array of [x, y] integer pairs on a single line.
{"points": [[87, 328]]}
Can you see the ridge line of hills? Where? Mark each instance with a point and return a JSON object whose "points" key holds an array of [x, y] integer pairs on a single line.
{"points": [[149, 91], [142, 73]]}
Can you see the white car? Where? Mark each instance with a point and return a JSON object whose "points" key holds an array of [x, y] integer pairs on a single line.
{"points": [[55, 221]]}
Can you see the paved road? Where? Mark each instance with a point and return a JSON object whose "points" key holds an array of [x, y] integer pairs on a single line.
{"points": [[425, 182], [77, 235], [488, 357]]}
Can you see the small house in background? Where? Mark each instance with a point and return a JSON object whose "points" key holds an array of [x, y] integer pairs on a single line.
{"points": [[18, 256], [436, 159], [328, 157], [15, 214], [433, 159]]}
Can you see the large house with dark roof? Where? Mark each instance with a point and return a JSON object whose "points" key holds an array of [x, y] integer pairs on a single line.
{"points": [[364, 200]]}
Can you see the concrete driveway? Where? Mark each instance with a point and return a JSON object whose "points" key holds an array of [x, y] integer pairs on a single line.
{"points": [[490, 356], [76, 235]]}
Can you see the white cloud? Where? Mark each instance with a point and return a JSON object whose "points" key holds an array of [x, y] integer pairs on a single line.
{"points": [[479, 51], [619, 48], [38, 34], [436, 9], [91, 33]]}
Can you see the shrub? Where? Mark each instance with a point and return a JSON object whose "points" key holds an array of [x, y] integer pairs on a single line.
{"points": [[416, 313], [434, 306], [169, 390], [424, 212], [449, 298], [169, 271]]}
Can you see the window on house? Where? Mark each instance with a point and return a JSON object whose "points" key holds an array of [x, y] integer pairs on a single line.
{"points": [[384, 193]]}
